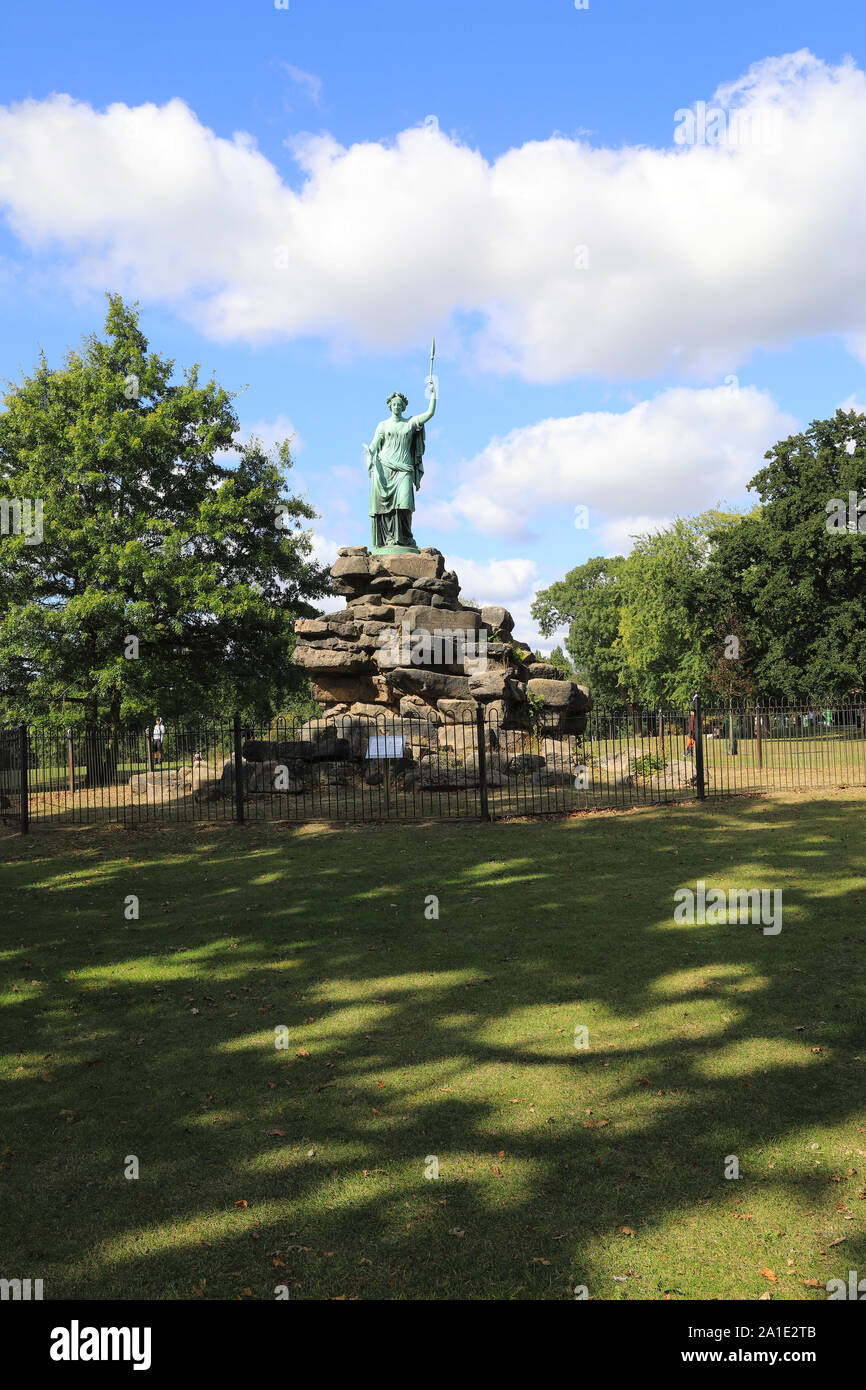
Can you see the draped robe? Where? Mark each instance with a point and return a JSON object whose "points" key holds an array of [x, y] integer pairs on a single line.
{"points": [[396, 468]]}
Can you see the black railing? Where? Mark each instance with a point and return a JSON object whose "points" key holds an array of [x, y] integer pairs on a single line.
{"points": [[359, 767]]}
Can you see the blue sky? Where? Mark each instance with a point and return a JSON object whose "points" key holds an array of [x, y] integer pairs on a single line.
{"points": [[300, 197]]}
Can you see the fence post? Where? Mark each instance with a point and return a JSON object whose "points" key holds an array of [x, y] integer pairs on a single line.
{"points": [[23, 753], [699, 748], [239, 771], [759, 747], [482, 762]]}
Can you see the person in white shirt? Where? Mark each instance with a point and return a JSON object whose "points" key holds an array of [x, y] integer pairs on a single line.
{"points": [[157, 735]]}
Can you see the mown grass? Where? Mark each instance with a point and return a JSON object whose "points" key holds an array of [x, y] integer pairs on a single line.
{"points": [[411, 1038]]}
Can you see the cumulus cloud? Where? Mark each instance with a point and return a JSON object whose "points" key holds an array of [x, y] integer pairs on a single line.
{"points": [[694, 255], [494, 581], [669, 456], [618, 536]]}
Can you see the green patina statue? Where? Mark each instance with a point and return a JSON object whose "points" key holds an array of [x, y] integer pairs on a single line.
{"points": [[395, 464]]}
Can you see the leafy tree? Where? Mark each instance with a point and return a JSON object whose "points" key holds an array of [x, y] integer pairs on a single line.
{"points": [[149, 533], [589, 600], [800, 588], [667, 618]]}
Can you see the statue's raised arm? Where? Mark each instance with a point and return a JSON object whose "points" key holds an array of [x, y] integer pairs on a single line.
{"points": [[431, 411]]}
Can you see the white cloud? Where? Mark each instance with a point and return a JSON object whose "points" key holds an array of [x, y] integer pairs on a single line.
{"points": [[512, 582], [494, 581], [617, 537], [670, 456], [697, 254], [311, 84]]}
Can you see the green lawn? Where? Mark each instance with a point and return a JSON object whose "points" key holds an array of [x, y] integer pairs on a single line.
{"points": [[411, 1038]]}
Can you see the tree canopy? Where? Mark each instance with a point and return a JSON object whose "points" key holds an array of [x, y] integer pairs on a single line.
{"points": [[168, 572], [771, 601]]}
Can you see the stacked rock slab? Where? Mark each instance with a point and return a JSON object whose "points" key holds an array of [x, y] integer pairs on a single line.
{"points": [[404, 646]]}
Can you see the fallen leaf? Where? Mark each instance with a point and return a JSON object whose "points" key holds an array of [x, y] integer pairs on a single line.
{"points": [[768, 1274]]}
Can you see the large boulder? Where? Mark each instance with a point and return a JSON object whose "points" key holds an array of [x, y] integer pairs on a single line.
{"points": [[339, 689], [390, 584], [321, 743], [330, 625], [373, 612], [564, 706], [553, 777], [613, 770], [438, 776], [414, 707], [463, 620], [429, 564], [495, 774], [497, 619], [435, 685], [354, 569], [210, 789], [495, 685], [353, 661], [462, 739], [524, 763], [445, 588], [276, 779], [561, 695], [249, 776], [316, 742], [457, 711], [544, 670]]}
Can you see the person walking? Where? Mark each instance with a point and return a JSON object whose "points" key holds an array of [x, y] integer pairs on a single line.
{"points": [[157, 737]]}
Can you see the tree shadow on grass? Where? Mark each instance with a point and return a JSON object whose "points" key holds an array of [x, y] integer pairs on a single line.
{"points": [[449, 1039]]}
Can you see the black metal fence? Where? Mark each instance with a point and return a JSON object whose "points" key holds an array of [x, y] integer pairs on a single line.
{"points": [[359, 767]]}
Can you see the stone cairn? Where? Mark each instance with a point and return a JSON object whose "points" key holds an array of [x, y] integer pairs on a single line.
{"points": [[406, 659]]}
